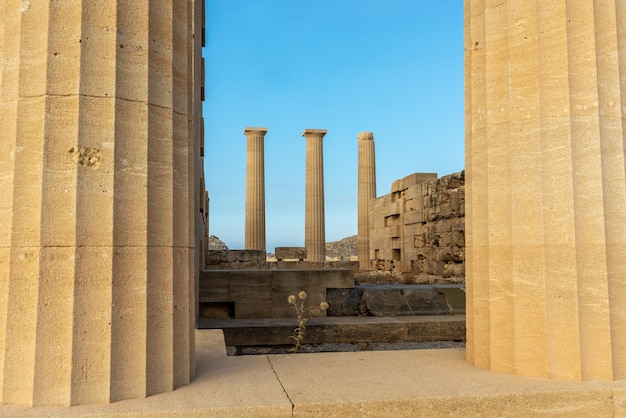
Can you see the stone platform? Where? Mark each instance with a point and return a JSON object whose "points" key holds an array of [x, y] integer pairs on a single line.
{"points": [[412, 383]]}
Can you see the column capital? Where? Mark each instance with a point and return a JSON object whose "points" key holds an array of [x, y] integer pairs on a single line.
{"points": [[250, 130], [365, 136], [314, 132]]}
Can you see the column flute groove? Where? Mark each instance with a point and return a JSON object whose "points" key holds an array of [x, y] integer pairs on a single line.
{"points": [[551, 301], [94, 177]]}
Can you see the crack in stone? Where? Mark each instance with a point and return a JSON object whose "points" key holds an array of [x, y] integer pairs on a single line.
{"points": [[104, 97], [498, 5], [281, 385], [407, 301], [445, 299]]}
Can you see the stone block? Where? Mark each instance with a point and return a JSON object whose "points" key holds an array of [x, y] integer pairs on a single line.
{"points": [[253, 309], [216, 257], [410, 203], [413, 217], [444, 210], [290, 253], [454, 296], [442, 227], [298, 265], [403, 300], [213, 289], [412, 180], [250, 285], [397, 186], [393, 231], [245, 256], [452, 329], [345, 302]]}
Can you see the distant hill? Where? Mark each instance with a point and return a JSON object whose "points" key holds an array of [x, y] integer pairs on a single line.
{"points": [[216, 244], [343, 248]]}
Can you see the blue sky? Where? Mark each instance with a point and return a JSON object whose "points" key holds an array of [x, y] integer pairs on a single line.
{"points": [[393, 67]]}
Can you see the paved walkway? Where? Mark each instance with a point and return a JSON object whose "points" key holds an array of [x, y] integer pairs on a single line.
{"points": [[411, 383]]}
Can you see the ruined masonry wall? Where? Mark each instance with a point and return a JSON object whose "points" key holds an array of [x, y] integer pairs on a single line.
{"points": [[418, 230]]}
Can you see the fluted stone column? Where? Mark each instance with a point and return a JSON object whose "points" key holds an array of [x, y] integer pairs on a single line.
{"points": [[366, 192], [96, 200], [255, 189], [546, 187], [314, 228]]}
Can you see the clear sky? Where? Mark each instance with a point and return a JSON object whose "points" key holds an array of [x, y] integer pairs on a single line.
{"points": [[393, 67]]}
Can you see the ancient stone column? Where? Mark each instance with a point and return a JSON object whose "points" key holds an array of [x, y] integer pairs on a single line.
{"points": [[546, 187], [96, 200], [366, 192], [314, 228], [255, 189]]}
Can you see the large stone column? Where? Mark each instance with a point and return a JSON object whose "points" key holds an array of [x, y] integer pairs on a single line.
{"points": [[546, 187], [366, 192], [255, 189], [96, 200], [314, 228]]}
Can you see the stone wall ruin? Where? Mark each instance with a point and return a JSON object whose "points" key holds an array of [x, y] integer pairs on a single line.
{"points": [[418, 230]]}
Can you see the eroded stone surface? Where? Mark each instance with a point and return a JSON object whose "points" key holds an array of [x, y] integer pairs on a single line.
{"points": [[396, 300], [419, 228]]}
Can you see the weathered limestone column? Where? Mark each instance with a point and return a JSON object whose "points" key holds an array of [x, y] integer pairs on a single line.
{"points": [[96, 199], [255, 189], [546, 187], [314, 228], [367, 192]]}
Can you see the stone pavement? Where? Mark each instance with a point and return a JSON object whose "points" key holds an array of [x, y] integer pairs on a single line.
{"points": [[411, 383]]}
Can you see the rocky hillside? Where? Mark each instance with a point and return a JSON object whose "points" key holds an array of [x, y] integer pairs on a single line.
{"points": [[216, 244], [343, 248]]}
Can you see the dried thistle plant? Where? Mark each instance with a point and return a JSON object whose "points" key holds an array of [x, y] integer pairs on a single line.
{"points": [[303, 315]]}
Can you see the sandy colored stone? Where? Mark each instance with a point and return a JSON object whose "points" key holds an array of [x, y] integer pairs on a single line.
{"points": [[314, 225], [418, 230], [546, 186], [405, 383], [255, 189], [98, 236], [366, 192]]}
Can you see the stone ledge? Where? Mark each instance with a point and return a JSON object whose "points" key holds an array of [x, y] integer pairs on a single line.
{"points": [[278, 331], [412, 383]]}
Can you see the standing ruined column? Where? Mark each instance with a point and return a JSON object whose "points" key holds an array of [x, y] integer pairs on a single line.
{"points": [[255, 189], [366, 192], [546, 187], [314, 229], [96, 200]]}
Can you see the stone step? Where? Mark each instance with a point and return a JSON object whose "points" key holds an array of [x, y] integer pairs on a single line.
{"points": [[277, 331]]}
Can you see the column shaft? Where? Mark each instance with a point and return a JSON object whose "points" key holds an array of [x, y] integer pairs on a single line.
{"points": [[366, 192], [96, 187], [546, 187], [255, 189], [315, 229]]}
